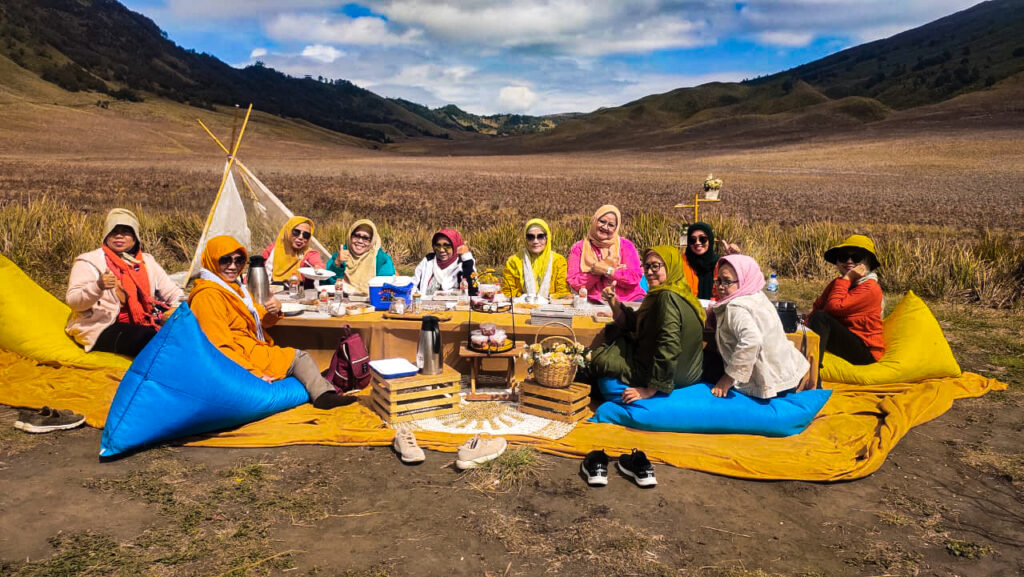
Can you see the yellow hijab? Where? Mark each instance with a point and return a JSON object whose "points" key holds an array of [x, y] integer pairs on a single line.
{"points": [[675, 280], [286, 260], [540, 263], [360, 269], [609, 248]]}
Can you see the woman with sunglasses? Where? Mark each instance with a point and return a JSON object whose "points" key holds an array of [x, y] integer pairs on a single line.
{"points": [[361, 259], [758, 358], [701, 258], [848, 315], [657, 348], [116, 292], [446, 267], [604, 258], [539, 272], [291, 251], [235, 324]]}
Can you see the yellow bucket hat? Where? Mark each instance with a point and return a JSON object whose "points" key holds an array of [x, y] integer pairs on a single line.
{"points": [[858, 242]]}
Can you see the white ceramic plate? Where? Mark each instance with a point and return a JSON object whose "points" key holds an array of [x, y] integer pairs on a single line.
{"points": [[316, 273], [292, 309]]}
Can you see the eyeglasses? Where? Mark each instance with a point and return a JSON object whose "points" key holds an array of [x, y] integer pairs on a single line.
{"points": [[601, 223], [539, 236], [118, 231], [854, 257], [653, 266], [723, 282], [445, 246], [227, 260], [299, 232], [362, 237], [701, 239]]}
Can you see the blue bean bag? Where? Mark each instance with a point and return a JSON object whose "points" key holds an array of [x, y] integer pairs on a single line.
{"points": [[181, 385], [694, 409]]}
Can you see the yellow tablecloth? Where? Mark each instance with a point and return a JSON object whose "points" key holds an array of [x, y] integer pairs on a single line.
{"points": [[849, 439]]}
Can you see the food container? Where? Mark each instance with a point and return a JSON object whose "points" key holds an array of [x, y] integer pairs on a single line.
{"points": [[497, 339], [478, 339], [488, 329], [384, 289], [488, 291]]}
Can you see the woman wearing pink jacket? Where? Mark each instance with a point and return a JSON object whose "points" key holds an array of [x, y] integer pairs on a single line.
{"points": [[604, 258]]}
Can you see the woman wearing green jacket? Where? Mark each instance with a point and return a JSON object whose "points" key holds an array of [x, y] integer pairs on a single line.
{"points": [[657, 348]]}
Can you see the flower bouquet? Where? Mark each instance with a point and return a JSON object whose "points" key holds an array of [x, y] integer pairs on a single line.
{"points": [[554, 360]]}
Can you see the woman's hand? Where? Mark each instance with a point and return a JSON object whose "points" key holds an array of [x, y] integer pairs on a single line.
{"points": [[636, 393], [729, 247], [343, 255], [608, 296], [106, 281], [723, 385], [463, 249], [856, 273], [273, 306]]}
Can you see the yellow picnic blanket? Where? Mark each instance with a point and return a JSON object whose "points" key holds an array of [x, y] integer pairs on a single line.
{"points": [[850, 438]]}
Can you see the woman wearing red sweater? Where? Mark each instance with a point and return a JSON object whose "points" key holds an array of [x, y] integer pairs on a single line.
{"points": [[848, 315]]}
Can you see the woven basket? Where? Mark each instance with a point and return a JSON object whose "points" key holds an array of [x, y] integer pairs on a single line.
{"points": [[555, 376]]}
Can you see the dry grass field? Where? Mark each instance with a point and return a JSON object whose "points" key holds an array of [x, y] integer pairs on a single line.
{"points": [[944, 206]]}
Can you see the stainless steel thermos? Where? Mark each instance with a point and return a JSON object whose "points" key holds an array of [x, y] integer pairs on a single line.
{"points": [[428, 353], [258, 283]]}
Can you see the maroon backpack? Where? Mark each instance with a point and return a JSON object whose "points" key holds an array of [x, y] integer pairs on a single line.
{"points": [[350, 366]]}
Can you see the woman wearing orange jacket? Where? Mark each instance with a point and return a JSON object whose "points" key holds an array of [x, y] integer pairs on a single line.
{"points": [[848, 315], [235, 324]]}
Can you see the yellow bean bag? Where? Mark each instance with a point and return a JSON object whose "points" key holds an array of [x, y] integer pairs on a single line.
{"points": [[32, 324], [915, 350]]}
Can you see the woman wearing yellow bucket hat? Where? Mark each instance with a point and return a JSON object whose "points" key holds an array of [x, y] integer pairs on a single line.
{"points": [[848, 315]]}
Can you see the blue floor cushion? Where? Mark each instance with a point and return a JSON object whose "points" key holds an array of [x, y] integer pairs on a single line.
{"points": [[694, 409], [181, 385]]}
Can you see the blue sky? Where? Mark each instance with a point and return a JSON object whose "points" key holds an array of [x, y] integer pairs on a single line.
{"points": [[532, 56]]}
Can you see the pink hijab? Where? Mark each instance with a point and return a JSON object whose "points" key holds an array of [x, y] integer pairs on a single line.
{"points": [[748, 273]]}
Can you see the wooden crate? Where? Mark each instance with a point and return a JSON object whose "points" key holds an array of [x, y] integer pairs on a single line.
{"points": [[416, 397], [568, 405]]}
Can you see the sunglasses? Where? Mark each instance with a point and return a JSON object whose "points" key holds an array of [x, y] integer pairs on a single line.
{"points": [[362, 237], [297, 233], [538, 236], [853, 257], [723, 283], [653, 266], [698, 239], [226, 260], [445, 246]]}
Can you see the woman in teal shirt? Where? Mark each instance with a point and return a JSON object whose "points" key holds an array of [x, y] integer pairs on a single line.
{"points": [[361, 258]]}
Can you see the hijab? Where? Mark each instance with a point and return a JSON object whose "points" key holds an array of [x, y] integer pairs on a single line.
{"points": [[453, 237], [537, 267], [210, 278], [703, 265], [748, 274], [675, 281], [118, 217], [595, 249], [360, 269], [286, 260]]}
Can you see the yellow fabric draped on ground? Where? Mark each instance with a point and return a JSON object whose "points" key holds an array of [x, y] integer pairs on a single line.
{"points": [[849, 439]]}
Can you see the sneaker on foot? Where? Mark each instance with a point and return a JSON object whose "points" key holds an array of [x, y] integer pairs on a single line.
{"points": [[595, 468], [637, 467], [405, 445], [47, 419], [479, 450]]}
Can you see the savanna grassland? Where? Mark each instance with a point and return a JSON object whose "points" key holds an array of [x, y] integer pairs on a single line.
{"points": [[944, 207]]}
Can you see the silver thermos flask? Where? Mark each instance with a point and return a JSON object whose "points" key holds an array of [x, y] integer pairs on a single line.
{"points": [[258, 283], [428, 353]]}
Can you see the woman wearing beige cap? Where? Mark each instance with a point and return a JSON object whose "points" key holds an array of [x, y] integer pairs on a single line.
{"points": [[116, 292]]}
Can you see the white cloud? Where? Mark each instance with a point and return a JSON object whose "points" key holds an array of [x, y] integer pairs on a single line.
{"points": [[322, 53], [785, 38], [516, 98], [257, 52], [365, 30]]}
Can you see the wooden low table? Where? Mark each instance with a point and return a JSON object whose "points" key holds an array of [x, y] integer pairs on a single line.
{"points": [[567, 405], [475, 358], [416, 397]]}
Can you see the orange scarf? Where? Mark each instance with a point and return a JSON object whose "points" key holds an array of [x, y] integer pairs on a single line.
{"points": [[286, 260], [135, 284], [596, 250]]}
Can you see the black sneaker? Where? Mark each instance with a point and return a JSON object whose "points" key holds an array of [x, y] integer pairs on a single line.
{"points": [[595, 468], [47, 419], [637, 467]]}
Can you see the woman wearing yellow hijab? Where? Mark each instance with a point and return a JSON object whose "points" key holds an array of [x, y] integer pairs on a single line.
{"points": [[361, 258], [291, 251], [659, 347], [235, 324], [539, 272]]}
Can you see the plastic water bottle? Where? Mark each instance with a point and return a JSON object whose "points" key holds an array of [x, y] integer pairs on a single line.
{"points": [[772, 288]]}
